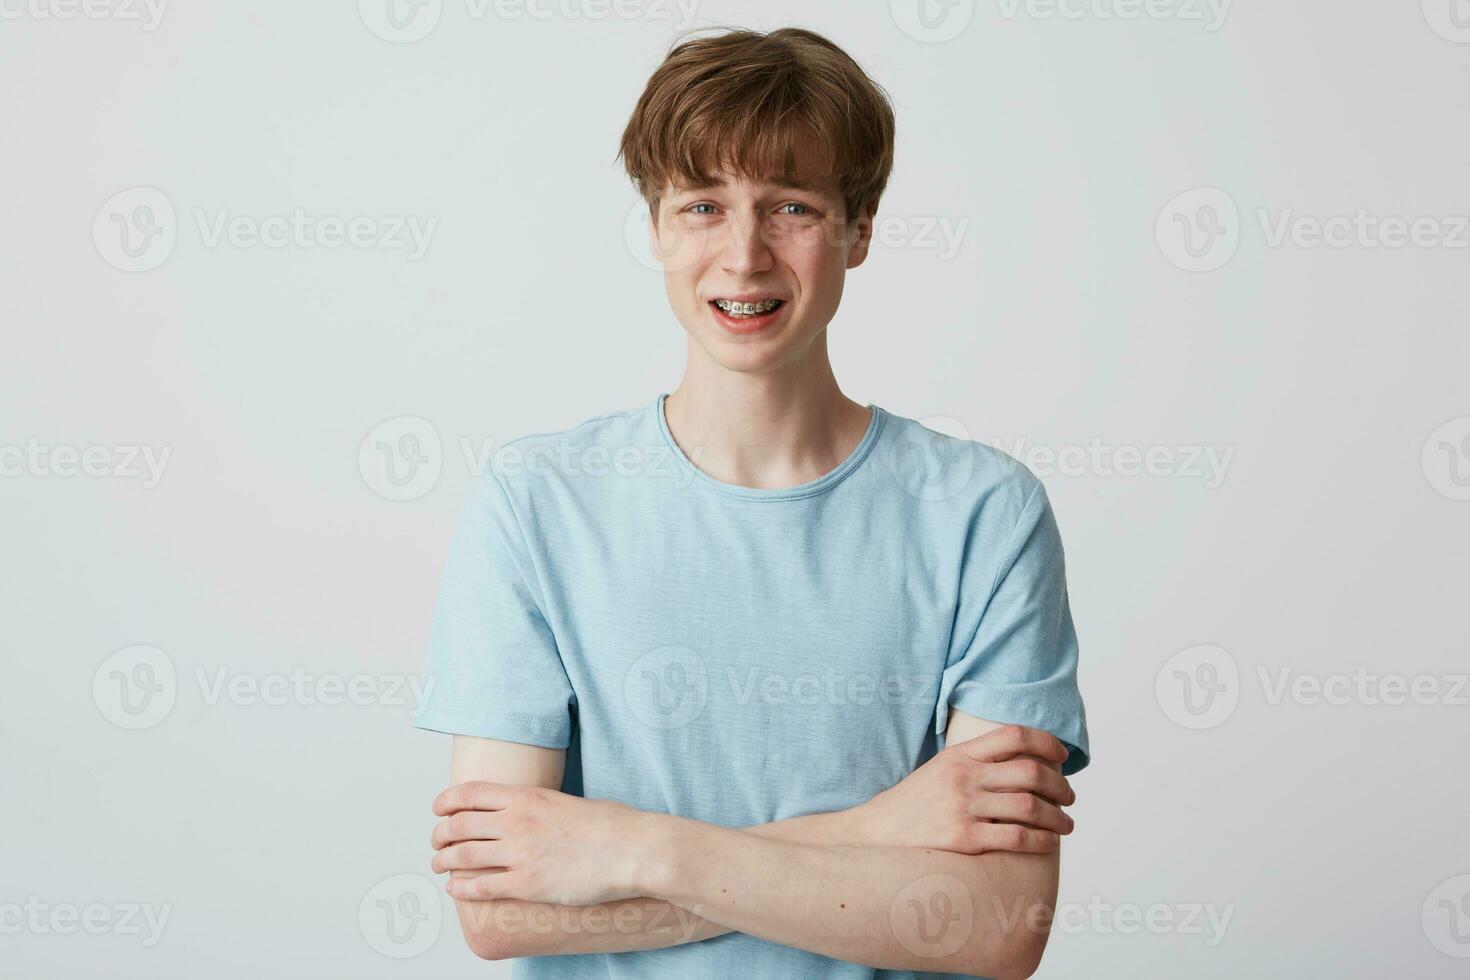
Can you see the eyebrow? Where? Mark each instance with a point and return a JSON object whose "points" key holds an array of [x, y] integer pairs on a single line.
{"points": [[787, 184]]}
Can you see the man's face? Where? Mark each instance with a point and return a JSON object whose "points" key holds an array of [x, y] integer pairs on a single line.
{"points": [[755, 242]]}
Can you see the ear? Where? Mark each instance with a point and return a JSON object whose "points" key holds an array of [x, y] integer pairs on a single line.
{"points": [[862, 228]]}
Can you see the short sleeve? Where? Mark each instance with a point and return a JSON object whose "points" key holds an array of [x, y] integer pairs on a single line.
{"points": [[492, 669], [1014, 659]]}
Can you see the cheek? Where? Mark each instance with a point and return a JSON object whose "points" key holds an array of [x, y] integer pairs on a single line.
{"points": [[681, 279], [821, 272], [682, 249]]}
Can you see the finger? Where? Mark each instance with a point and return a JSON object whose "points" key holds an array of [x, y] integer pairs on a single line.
{"points": [[1009, 741], [1012, 837], [1028, 776], [481, 887], [474, 855], [472, 796], [466, 825], [1022, 808]]}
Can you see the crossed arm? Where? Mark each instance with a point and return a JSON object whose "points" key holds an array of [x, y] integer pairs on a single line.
{"points": [[952, 870]]}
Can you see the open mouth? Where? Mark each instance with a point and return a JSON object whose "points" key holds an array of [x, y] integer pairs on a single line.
{"points": [[743, 316]]}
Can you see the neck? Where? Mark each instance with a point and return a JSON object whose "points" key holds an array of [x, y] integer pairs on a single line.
{"points": [[767, 430]]}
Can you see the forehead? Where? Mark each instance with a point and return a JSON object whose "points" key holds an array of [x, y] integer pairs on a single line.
{"points": [[792, 164]]}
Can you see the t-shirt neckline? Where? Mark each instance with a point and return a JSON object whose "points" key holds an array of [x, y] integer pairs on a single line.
{"points": [[822, 483]]}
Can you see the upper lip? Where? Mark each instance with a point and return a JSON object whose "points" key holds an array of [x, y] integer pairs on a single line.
{"points": [[745, 297]]}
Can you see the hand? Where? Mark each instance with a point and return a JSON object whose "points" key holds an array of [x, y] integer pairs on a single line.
{"points": [[535, 844], [996, 792]]}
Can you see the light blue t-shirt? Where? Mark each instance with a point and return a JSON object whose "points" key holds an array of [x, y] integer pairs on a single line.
{"points": [[740, 656]]}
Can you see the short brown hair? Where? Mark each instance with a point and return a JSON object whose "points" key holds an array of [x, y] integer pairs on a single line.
{"points": [[744, 101]]}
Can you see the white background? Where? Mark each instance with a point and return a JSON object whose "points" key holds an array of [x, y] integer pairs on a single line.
{"points": [[1337, 538]]}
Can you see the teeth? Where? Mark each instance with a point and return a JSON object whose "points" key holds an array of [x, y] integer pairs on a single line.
{"points": [[747, 309]]}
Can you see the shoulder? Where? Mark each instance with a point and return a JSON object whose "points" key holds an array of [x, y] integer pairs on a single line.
{"points": [[937, 461], [549, 463]]}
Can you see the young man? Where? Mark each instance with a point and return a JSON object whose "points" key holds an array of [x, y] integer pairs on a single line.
{"points": [[698, 707]]}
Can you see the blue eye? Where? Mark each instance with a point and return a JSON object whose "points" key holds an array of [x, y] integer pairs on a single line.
{"points": [[797, 204], [703, 205]]}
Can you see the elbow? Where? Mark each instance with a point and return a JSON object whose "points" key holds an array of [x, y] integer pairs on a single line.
{"points": [[481, 935], [1016, 956], [488, 945], [1022, 957]]}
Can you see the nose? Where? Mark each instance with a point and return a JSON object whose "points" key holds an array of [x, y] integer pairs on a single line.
{"points": [[745, 252]]}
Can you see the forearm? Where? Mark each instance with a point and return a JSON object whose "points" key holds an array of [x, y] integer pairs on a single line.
{"points": [[857, 885], [885, 907], [504, 928]]}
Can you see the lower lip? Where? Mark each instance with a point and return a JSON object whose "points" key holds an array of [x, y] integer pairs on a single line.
{"points": [[747, 324]]}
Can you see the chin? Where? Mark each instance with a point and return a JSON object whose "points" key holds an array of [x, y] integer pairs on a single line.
{"points": [[749, 356]]}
